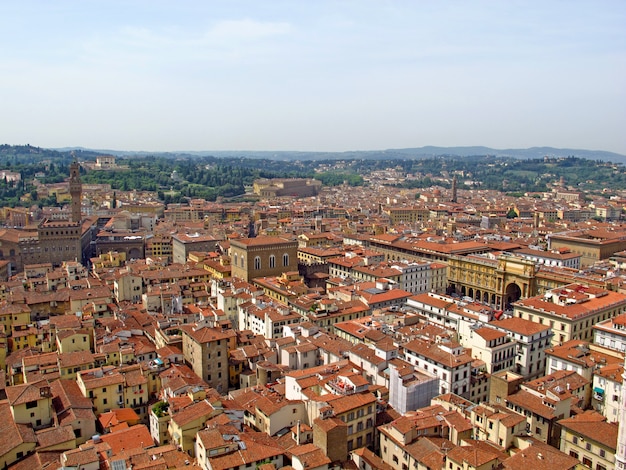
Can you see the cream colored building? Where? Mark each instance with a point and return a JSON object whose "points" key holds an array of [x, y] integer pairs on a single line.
{"points": [[496, 424], [31, 404], [185, 424], [571, 311], [104, 386], [128, 287], [590, 439]]}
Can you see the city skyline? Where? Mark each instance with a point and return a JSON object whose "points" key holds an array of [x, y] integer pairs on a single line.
{"points": [[324, 76]]}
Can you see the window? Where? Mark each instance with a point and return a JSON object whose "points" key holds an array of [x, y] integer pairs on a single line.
{"points": [[588, 446], [575, 439], [573, 454], [257, 263], [602, 453], [285, 259], [31, 404], [272, 261], [587, 461]]}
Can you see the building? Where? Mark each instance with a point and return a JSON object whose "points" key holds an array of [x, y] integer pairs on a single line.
{"points": [[531, 342], [581, 357], [494, 347], [607, 391], [410, 389], [589, 438], [217, 450], [494, 423], [206, 351], [562, 258], [31, 403], [592, 245], [611, 333], [445, 360], [571, 311], [185, 243], [275, 187], [263, 257], [497, 281]]}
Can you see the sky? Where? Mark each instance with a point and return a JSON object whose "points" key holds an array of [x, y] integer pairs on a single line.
{"points": [[313, 75]]}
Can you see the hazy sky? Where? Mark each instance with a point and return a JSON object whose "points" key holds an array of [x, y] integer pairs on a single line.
{"points": [[312, 75]]}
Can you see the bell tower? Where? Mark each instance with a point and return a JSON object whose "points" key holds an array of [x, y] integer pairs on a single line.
{"points": [[76, 191]]}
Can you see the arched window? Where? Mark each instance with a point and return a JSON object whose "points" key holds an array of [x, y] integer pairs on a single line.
{"points": [[235, 259], [285, 259], [272, 261], [257, 262]]}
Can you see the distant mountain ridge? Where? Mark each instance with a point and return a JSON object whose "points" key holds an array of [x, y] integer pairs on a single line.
{"points": [[407, 153]]}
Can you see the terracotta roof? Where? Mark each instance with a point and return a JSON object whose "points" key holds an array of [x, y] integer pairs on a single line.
{"points": [[539, 456], [258, 447], [201, 409], [24, 393], [261, 241], [13, 434], [205, 334], [131, 438], [520, 326], [593, 426], [55, 436], [585, 303], [489, 334], [474, 456], [81, 456], [433, 352], [310, 456], [533, 403]]}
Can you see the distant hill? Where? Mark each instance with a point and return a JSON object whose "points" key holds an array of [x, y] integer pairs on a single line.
{"points": [[408, 153]]}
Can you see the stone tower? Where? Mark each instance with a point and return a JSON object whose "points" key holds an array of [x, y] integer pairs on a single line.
{"points": [[620, 451], [76, 191], [454, 184]]}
